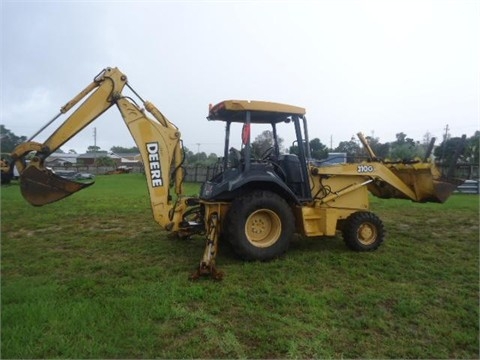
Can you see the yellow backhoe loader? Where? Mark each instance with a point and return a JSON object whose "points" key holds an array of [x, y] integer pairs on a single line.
{"points": [[6, 171], [255, 202]]}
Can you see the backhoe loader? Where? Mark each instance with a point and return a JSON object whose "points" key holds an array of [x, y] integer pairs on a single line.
{"points": [[6, 171], [254, 202]]}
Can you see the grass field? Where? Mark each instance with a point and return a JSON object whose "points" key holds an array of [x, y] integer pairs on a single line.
{"points": [[93, 276]]}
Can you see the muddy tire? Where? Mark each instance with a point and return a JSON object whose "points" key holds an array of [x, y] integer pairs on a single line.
{"points": [[363, 231], [259, 226]]}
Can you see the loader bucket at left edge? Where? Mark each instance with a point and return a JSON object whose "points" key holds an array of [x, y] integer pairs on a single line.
{"points": [[41, 186]]}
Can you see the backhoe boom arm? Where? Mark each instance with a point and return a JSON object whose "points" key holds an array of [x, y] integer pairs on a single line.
{"points": [[157, 139]]}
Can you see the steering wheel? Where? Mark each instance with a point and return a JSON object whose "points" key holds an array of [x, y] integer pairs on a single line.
{"points": [[266, 154]]}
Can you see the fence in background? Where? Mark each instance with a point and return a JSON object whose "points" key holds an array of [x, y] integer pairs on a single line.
{"points": [[199, 174], [194, 173]]}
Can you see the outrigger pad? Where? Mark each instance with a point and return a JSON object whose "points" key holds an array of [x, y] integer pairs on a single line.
{"points": [[41, 187]]}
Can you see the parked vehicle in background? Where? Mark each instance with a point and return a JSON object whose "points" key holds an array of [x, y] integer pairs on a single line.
{"points": [[119, 170], [84, 176], [66, 174]]}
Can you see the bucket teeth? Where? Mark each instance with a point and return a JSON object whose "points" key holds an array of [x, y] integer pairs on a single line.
{"points": [[41, 186]]}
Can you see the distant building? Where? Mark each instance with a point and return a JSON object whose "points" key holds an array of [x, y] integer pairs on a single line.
{"points": [[88, 159], [60, 159], [128, 158], [134, 157]]}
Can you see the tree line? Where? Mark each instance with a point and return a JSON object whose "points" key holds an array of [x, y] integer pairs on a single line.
{"points": [[403, 148]]}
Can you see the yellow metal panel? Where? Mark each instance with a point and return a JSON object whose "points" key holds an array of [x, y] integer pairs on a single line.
{"points": [[311, 221], [321, 221], [421, 182], [329, 221], [243, 105], [260, 111], [341, 185], [220, 208]]}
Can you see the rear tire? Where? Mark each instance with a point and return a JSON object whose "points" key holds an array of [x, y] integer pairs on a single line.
{"points": [[363, 231], [259, 226]]}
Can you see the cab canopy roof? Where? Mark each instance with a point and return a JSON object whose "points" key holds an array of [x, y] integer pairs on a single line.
{"points": [[261, 112]]}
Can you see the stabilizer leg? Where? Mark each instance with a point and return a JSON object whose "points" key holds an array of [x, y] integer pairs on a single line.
{"points": [[207, 264]]}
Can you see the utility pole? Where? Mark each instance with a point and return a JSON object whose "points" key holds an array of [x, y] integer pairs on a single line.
{"points": [[446, 133], [445, 137], [95, 145]]}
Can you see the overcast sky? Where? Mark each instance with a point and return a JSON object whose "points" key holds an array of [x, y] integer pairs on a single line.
{"points": [[379, 67]]}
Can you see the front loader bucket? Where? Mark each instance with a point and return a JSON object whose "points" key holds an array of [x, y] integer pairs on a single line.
{"points": [[424, 179], [41, 186], [445, 188]]}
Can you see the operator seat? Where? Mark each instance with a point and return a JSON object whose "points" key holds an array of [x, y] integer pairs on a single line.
{"points": [[290, 164]]}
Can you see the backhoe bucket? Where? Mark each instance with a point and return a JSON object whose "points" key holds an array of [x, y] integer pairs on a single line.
{"points": [[424, 179], [41, 186]]}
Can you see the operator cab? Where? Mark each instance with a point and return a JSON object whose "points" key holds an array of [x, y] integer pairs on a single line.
{"points": [[251, 166]]}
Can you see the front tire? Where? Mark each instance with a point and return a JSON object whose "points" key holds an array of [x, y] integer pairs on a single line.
{"points": [[259, 226], [363, 231]]}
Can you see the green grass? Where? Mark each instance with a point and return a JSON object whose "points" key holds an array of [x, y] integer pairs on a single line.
{"points": [[93, 276]]}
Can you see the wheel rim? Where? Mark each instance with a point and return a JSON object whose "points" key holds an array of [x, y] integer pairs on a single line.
{"points": [[263, 228], [367, 233]]}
